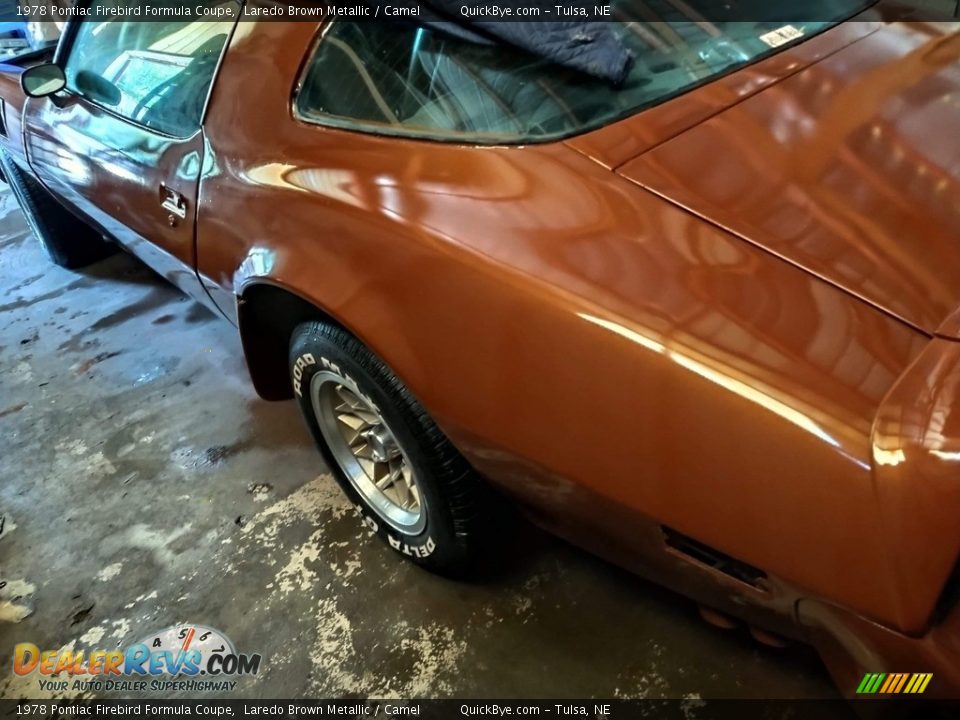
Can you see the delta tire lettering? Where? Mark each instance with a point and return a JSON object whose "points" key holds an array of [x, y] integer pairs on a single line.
{"points": [[417, 551]]}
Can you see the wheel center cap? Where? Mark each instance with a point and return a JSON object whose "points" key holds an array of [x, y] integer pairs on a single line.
{"points": [[381, 443]]}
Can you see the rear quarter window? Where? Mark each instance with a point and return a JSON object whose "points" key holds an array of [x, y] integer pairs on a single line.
{"points": [[403, 79]]}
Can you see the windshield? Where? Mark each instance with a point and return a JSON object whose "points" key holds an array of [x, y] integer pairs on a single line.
{"points": [[414, 81]]}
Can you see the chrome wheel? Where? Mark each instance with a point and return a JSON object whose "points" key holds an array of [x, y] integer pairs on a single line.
{"points": [[367, 451]]}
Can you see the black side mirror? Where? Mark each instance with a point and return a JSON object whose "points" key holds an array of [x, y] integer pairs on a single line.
{"points": [[43, 80], [97, 88]]}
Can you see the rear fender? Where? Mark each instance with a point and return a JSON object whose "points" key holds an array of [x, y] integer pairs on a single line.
{"points": [[916, 458]]}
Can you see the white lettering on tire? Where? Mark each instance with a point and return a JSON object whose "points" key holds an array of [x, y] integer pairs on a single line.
{"points": [[330, 365], [302, 362], [418, 551]]}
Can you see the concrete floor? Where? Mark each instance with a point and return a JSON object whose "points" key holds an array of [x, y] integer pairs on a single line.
{"points": [[143, 484]]}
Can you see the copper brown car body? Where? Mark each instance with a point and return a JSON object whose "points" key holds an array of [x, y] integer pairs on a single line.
{"points": [[759, 353]]}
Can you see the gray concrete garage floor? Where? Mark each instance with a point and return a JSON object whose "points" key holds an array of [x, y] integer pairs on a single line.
{"points": [[143, 484]]}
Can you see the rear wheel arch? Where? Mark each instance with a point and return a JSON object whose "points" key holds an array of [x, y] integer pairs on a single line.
{"points": [[267, 315]]}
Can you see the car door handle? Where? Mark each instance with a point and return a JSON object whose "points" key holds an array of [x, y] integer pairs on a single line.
{"points": [[173, 202]]}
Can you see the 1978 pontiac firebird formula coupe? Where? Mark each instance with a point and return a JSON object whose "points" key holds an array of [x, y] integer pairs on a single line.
{"points": [[705, 323]]}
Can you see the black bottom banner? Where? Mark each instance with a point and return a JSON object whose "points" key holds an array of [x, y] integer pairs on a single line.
{"points": [[685, 709]]}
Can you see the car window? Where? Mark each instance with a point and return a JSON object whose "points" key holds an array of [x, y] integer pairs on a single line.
{"points": [[155, 73], [416, 81]]}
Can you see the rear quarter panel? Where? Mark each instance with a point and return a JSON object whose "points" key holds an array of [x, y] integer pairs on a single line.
{"points": [[606, 357]]}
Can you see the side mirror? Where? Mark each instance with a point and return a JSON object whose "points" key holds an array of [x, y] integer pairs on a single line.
{"points": [[98, 88], [43, 80]]}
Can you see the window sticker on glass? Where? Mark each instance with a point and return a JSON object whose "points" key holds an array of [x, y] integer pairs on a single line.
{"points": [[781, 36]]}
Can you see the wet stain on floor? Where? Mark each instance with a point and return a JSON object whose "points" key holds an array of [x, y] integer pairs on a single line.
{"points": [[150, 487], [24, 302], [13, 408], [85, 366]]}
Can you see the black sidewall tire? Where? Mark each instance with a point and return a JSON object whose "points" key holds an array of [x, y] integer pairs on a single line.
{"points": [[67, 241], [439, 546]]}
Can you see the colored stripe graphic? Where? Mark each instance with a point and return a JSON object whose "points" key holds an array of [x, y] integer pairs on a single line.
{"points": [[870, 683], [886, 685], [920, 682], [894, 683]]}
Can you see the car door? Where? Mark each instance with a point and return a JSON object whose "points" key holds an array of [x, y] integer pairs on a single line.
{"points": [[122, 144]]}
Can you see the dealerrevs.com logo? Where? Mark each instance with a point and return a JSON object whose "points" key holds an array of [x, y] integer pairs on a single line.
{"points": [[181, 657]]}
